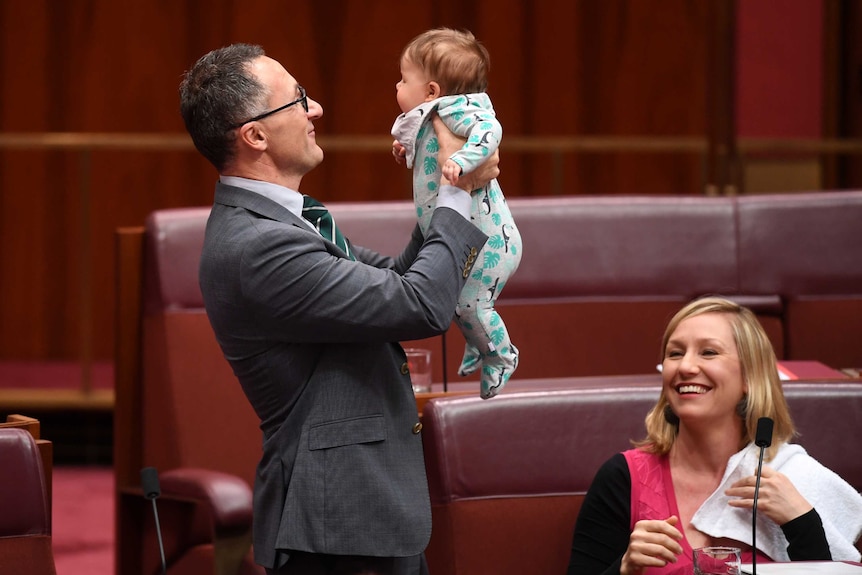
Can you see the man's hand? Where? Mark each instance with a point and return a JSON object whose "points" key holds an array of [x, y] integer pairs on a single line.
{"points": [[449, 144]]}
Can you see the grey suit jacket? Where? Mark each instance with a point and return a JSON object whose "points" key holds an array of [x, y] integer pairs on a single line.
{"points": [[312, 338]]}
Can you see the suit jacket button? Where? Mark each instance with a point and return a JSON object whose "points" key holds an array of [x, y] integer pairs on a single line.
{"points": [[466, 273], [417, 428], [405, 369], [473, 252]]}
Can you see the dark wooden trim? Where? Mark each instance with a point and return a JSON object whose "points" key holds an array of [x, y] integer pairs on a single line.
{"points": [[128, 436], [723, 173], [833, 39]]}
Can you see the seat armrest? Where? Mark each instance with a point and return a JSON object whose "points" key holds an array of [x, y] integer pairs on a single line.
{"points": [[227, 497]]}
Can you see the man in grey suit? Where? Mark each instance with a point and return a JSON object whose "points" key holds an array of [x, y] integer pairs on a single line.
{"points": [[311, 325]]}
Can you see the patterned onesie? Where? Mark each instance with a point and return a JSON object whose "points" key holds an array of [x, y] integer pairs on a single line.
{"points": [[470, 116]]}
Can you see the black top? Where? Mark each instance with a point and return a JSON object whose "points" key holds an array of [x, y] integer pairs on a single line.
{"points": [[602, 530]]}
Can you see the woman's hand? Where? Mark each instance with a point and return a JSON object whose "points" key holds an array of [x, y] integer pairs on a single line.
{"points": [[449, 144], [653, 543], [778, 498]]}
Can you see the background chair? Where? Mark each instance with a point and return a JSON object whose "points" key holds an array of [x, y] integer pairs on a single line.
{"points": [[46, 448], [25, 520]]}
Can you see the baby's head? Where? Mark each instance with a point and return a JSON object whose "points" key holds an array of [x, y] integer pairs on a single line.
{"points": [[441, 62]]}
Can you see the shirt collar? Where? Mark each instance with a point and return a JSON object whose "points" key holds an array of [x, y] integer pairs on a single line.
{"points": [[286, 197]]}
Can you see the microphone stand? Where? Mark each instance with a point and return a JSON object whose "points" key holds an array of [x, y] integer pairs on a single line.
{"points": [[159, 536], [762, 439], [152, 490], [753, 513]]}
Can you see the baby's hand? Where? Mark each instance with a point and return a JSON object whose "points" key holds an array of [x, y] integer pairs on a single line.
{"points": [[451, 171], [399, 152]]}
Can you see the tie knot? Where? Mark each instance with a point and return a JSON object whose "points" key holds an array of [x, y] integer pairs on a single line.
{"points": [[314, 211], [321, 219], [309, 202]]}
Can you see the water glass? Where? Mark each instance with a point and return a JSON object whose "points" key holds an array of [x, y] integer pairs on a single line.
{"points": [[717, 561], [419, 364]]}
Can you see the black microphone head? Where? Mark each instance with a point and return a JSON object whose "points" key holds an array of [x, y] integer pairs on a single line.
{"points": [[763, 437], [150, 482]]}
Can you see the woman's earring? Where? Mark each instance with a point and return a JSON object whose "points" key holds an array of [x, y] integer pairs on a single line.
{"points": [[742, 407], [670, 416]]}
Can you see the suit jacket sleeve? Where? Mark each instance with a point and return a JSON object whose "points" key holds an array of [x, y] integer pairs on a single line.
{"points": [[291, 281], [400, 264]]}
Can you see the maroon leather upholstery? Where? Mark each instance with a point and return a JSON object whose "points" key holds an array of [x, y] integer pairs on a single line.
{"points": [[25, 521], [507, 476], [226, 497], [828, 418], [807, 248], [205, 519], [174, 242], [593, 264]]}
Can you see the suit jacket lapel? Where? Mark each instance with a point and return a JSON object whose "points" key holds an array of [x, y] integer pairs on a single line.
{"points": [[263, 206]]}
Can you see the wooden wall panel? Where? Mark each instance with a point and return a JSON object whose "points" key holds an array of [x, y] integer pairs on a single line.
{"points": [[559, 68], [849, 92]]}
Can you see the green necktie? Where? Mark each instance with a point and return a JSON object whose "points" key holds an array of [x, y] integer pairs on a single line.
{"points": [[321, 219]]}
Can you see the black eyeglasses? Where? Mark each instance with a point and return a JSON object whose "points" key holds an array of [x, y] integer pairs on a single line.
{"points": [[303, 99]]}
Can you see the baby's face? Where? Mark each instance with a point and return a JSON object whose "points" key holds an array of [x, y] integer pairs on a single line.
{"points": [[412, 89]]}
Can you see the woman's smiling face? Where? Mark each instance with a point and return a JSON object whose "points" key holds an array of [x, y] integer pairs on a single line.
{"points": [[701, 371]]}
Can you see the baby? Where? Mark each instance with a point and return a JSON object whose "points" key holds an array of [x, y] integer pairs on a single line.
{"points": [[444, 71]]}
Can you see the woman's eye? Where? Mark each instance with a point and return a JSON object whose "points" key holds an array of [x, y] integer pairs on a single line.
{"points": [[673, 353]]}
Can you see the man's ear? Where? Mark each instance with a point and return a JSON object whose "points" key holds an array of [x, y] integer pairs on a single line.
{"points": [[251, 136], [433, 91]]}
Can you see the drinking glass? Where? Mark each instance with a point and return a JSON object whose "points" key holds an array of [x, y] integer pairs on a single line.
{"points": [[716, 561], [419, 364]]}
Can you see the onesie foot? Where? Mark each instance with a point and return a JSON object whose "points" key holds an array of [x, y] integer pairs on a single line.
{"points": [[496, 372], [471, 362]]}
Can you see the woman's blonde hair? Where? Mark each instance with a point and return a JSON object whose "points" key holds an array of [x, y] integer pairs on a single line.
{"points": [[765, 396], [454, 59]]}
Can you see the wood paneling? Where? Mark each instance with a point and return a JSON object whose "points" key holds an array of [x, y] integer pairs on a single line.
{"points": [[848, 121], [616, 67]]}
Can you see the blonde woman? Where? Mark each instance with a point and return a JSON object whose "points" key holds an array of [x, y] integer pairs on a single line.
{"points": [[690, 482]]}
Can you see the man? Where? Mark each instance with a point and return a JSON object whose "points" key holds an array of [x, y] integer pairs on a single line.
{"points": [[310, 326]]}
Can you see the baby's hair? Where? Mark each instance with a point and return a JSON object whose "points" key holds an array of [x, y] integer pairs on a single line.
{"points": [[453, 58]]}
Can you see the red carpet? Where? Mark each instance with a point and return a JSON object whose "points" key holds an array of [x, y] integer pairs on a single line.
{"points": [[83, 520]]}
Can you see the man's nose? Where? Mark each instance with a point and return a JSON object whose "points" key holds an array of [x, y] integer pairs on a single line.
{"points": [[315, 110]]}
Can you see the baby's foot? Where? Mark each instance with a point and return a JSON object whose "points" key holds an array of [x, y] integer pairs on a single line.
{"points": [[496, 372], [471, 362]]}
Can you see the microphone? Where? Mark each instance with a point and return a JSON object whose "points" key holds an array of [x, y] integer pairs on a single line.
{"points": [[151, 488], [762, 439]]}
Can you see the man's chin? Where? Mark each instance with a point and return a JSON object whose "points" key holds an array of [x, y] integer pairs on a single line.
{"points": [[318, 156]]}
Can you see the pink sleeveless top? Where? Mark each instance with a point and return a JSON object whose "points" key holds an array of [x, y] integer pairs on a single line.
{"points": [[653, 497]]}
